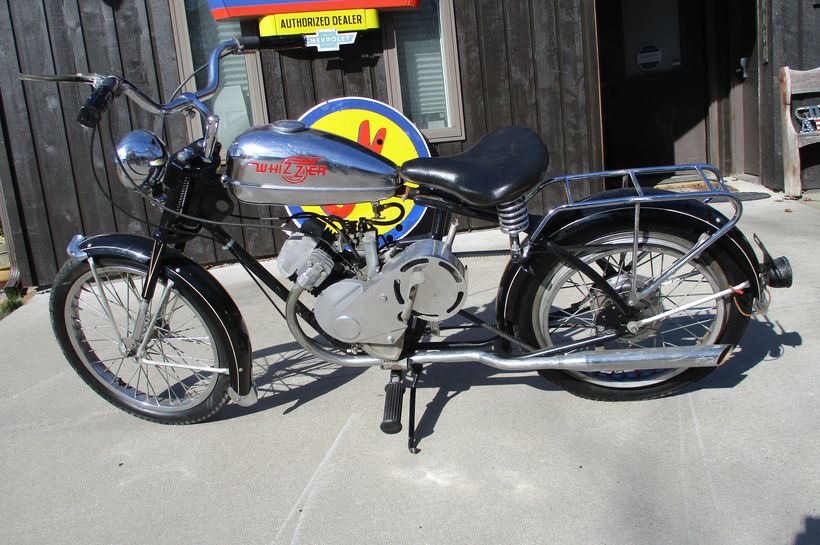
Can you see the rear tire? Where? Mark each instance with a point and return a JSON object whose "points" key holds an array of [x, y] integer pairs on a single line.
{"points": [[562, 305], [94, 323]]}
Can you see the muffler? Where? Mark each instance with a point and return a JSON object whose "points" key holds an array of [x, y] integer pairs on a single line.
{"points": [[592, 360]]}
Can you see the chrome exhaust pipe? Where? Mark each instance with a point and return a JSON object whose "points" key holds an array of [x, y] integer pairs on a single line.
{"points": [[592, 360]]}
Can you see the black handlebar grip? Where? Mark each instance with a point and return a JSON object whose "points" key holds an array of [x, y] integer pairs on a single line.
{"points": [[97, 104], [271, 42]]}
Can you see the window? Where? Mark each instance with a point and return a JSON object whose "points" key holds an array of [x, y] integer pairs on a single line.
{"points": [[240, 101], [422, 69]]}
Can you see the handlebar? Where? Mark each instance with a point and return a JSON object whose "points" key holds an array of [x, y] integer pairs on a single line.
{"points": [[106, 88], [97, 104]]}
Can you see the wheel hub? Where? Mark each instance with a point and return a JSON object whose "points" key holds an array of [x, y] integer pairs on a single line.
{"points": [[609, 317]]}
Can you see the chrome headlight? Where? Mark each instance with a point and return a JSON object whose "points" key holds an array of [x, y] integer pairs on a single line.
{"points": [[141, 159]]}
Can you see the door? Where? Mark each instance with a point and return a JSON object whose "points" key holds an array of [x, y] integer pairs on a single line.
{"points": [[653, 82]]}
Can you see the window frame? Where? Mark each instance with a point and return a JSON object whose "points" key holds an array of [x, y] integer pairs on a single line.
{"points": [[452, 76], [185, 67]]}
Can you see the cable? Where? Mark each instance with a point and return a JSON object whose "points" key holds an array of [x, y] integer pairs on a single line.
{"points": [[155, 203], [385, 206]]}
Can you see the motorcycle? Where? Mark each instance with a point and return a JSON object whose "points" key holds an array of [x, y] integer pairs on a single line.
{"points": [[628, 294]]}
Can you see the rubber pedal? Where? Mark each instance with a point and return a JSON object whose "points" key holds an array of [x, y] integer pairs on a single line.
{"points": [[394, 395]]}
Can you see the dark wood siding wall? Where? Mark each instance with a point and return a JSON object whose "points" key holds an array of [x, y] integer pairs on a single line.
{"points": [[48, 182], [793, 42], [530, 62]]}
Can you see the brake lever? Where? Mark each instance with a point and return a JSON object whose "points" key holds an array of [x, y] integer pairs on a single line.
{"points": [[68, 78]]}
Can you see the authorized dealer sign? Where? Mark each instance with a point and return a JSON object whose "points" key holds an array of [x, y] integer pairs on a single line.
{"points": [[324, 30]]}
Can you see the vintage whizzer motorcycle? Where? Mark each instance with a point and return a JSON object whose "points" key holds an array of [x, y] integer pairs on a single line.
{"points": [[629, 294]]}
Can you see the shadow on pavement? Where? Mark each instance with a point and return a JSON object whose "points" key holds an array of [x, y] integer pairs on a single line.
{"points": [[811, 534], [763, 340], [449, 380], [287, 374]]}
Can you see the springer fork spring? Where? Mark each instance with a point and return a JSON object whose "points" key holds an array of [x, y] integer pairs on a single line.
{"points": [[513, 217]]}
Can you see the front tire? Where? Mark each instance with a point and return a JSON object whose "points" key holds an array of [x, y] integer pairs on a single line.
{"points": [[176, 377], [562, 305]]}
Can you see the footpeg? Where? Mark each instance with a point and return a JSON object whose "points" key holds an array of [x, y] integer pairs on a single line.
{"points": [[393, 397]]}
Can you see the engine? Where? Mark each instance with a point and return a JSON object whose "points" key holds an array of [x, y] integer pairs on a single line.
{"points": [[423, 279]]}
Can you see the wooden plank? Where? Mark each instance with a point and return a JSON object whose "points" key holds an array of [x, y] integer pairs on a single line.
{"points": [[771, 161], [328, 79], [137, 56], [10, 215], [355, 64], [274, 84], [805, 81], [470, 68], [594, 115], [48, 130], [298, 82], [550, 109], [573, 86], [784, 51], [494, 63], [524, 101], [36, 233], [103, 56], [791, 149], [166, 61], [519, 38], [472, 85], [68, 46], [378, 72]]}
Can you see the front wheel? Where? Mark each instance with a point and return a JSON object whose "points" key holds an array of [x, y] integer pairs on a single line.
{"points": [[562, 305], [170, 367]]}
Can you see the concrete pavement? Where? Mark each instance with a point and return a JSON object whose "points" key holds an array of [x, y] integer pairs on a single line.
{"points": [[505, 458]]}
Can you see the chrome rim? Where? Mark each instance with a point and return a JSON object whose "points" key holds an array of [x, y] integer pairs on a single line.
{"points": [[569, 308], [101, 317]]}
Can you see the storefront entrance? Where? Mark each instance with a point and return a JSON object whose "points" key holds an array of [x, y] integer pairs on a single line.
{"points": [[653, 82]]}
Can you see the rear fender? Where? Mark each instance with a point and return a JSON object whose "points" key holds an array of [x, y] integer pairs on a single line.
{"points": [[180, 268], [689, 215]]}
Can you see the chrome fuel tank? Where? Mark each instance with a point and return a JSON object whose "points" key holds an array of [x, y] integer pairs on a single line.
{"points": [[287, 163]]}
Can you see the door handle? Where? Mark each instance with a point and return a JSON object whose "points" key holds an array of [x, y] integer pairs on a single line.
{"points": [[744, 67]]}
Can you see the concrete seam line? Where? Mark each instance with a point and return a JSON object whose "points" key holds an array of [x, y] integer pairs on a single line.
{"points": [[307, 493]]}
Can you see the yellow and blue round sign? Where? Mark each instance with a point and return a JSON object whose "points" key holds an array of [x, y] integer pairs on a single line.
{"points": [[384, 130]]}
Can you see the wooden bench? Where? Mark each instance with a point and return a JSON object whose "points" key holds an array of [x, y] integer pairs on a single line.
{"points": [[792, 83]]}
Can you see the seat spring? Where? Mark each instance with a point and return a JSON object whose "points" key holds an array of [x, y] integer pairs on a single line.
{"points": [[513, 217]]}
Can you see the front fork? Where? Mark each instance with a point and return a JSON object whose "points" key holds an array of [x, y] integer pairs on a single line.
{"points": [[145, 324]]}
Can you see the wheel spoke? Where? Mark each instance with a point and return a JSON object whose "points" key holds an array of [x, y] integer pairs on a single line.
{"points": [[99, 312], [570, 307]]}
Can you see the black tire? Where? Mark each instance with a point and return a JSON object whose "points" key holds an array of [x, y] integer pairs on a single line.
{"points": [[574, 310], [94, 322]]}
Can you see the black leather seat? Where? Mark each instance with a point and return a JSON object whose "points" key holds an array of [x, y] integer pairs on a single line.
{"points": [[498, 169]]}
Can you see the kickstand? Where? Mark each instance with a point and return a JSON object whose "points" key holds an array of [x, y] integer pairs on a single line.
{"points": [[411, 425]]}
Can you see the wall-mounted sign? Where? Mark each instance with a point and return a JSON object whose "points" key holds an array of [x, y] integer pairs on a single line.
{"points": [[240, 9], [650, 57], [310, 22], [809, 117], [384, 130], [329, 39]]}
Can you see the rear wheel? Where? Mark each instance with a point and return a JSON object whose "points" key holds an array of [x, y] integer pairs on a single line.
{"points": [[564, 306], [174, 373]]}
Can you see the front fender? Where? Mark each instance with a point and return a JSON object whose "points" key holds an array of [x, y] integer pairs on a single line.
{"points": [[180, 268], [691, 215]]}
